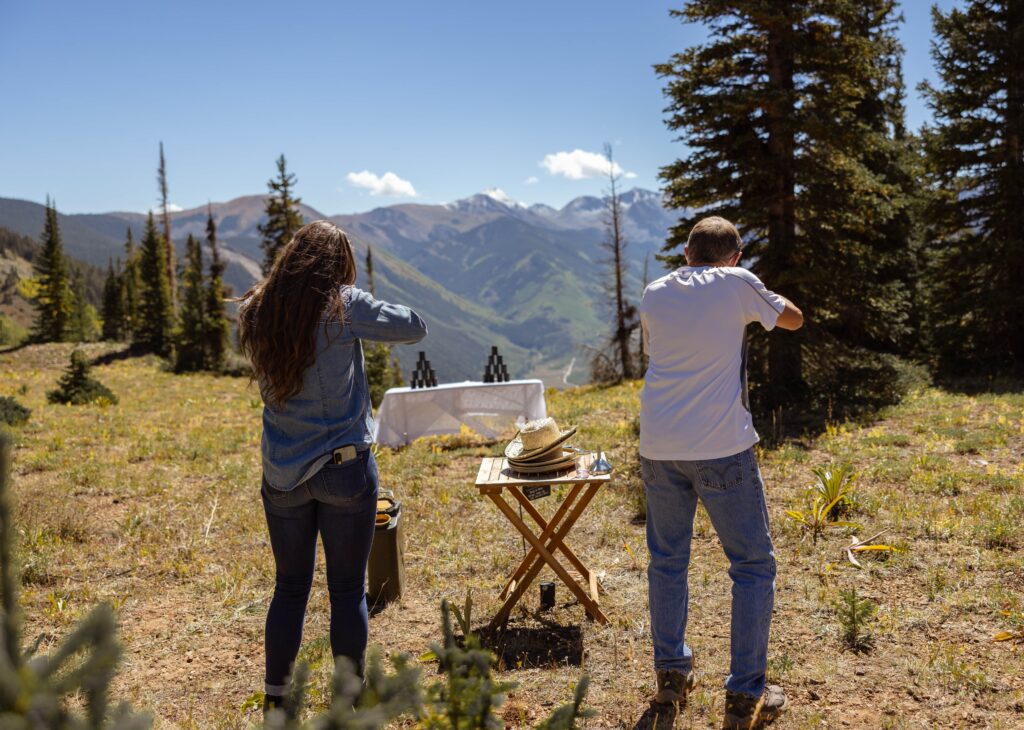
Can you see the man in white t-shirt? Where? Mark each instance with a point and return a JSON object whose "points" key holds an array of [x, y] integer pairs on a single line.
{"points": [[696, 436]]}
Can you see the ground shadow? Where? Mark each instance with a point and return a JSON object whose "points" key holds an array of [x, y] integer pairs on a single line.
{"points": [[535, 646], [125, 353], [994, 385], [658, 716]]}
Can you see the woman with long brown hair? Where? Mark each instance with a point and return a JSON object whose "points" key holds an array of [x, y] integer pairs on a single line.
{"points": [[302, 328]]}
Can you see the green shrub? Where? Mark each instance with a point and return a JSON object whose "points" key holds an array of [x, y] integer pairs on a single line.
{"points": [[12, 412], [77, 388], [11, 333], [464, 698]]}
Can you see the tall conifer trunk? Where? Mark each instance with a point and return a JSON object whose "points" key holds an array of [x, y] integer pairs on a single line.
{"points": [[778, 263]]}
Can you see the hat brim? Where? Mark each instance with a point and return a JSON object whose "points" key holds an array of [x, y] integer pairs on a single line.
{"points": [[563, 465], [515, 451]]}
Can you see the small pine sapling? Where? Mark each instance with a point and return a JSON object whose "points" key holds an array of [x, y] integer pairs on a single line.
{"points": [[12, 412], [77, 388], [854, 614]]}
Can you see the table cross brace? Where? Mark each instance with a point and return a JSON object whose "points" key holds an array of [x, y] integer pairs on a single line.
{"points": [[544, 546]]}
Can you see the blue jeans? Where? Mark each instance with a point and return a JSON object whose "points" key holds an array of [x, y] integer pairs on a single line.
{"points": [[732, 492], [339, 503]]}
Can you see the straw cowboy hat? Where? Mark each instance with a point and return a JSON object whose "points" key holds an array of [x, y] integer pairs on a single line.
{"points": [[537, 439]]}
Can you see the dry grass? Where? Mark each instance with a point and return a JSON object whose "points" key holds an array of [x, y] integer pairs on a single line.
{"points": [[153, 505]]}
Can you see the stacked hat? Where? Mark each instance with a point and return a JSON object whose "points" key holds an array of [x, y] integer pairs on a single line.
{"points": [[538, 448]]}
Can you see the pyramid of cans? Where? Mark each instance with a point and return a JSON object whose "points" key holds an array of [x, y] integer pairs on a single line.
{"points": [[496, 370], [423, 375]]}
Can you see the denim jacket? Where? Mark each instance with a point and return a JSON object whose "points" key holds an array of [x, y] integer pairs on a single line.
{"points": [[333, 408]]}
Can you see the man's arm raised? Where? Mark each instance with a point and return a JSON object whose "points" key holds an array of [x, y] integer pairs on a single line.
{"points": [[791, 317]]}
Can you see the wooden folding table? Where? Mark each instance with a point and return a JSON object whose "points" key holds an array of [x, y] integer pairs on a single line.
{"points": [[495, 476]]}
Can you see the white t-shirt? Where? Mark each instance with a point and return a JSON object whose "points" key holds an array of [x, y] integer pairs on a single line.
{"points": [[694, 322]]}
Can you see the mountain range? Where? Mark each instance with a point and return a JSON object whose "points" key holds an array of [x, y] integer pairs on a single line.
{"points": [[484, 270]]}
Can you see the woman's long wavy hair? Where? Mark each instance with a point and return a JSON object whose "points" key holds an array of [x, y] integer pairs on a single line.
{"points": [[278, 319]]}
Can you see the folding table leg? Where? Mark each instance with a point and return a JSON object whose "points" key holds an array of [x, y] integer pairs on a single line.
{"points": [[537, 516], [548, 529], [533, 559], [589, 604], [554, 543]]}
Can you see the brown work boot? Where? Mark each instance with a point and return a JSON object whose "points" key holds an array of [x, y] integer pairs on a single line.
{"points": [[673, 686], [745, 712]]}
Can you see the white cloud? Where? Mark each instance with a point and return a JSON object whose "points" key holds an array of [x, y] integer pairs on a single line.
{"points": [[532, 180], [388, 185], [172, 208], [580, 164]]}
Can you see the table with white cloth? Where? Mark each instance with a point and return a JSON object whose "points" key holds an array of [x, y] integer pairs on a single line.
{"points": [[406, 414]]}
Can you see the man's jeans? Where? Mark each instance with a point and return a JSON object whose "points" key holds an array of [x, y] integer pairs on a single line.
{"points": [[339, 504], [732, 492]]}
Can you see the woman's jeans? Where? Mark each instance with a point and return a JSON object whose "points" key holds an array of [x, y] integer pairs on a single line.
{"points": [[339, 502], [732, 492]]}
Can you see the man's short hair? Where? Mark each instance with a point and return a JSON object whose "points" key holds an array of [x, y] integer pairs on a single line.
{"points": [[712, 240]]}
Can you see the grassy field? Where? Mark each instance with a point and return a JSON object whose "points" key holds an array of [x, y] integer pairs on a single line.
{"points": [[153, 506]]}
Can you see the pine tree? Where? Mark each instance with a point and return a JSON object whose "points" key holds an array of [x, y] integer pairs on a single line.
{"points": [[975, 153], [793, 115], [155, 328], [131, 284], [54, 303], [626, 317], [859, 183], [370, 286], [165, 214], [383, 371], [190, 351], [113, 304], [283, 215], [77, 387], [83, 325], [216, 326]]}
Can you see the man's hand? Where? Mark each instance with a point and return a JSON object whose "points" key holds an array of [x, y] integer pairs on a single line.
{"points": [[791, 318]]}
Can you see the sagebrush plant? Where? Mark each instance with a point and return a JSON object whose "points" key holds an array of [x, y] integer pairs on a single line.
{"points": [[76, 387], [465, 698], [12, 412], [854, 614], [34, 689]]}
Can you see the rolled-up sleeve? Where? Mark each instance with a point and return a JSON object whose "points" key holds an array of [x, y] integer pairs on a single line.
{"points": [[372, 319]]}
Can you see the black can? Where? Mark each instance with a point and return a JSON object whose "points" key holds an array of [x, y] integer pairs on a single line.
{"points": [[547, 595]]}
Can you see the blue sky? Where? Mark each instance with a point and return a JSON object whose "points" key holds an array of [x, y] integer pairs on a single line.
{"points": [[450, 97]]}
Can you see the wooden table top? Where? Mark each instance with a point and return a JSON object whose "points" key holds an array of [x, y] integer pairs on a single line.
{"points": [[495, 472]]}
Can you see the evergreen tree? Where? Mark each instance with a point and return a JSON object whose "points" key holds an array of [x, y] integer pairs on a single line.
{"points": [[113, 301], [793, 115], [975, 153], [626, 316], [165, 215], [216, 325], [371, 287], [84, 324], [283, 216], [131, 284], [383, 371], [54, 302], [155, 328], [77, 387], [189, 353]]}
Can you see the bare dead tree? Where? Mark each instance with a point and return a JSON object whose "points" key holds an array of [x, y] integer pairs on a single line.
{"points": [[615, 244], [172, 266]]}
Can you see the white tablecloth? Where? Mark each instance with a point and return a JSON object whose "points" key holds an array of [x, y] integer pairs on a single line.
{"points": [[406, 414]]}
